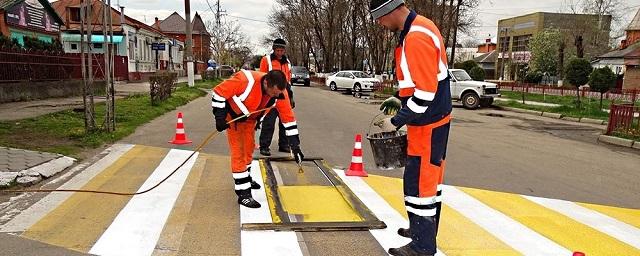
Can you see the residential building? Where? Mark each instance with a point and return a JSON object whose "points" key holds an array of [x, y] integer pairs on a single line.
{"points": [[487, 62], [29, 18], [514, 35], [132, 38], [175, 27], [625, 61]]}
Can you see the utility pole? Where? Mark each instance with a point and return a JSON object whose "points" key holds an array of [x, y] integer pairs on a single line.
{"points": [[188, 44]]}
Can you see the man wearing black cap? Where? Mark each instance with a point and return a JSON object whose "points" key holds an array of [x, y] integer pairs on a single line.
{"points": [[277, 60], [425, 98]]}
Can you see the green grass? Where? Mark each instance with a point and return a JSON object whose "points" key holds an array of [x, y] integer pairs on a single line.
{"points": [[555, 99], [63, 132], [204, 84], [571, 110]]}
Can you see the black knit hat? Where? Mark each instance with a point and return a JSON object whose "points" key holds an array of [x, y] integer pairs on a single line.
{"points": [[379, 8], [279, 43]]}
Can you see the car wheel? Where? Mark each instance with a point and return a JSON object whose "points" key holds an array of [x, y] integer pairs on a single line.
{"points": [[470, 100], [487, 102], [333, 86], [357, 90], [307, 83]]}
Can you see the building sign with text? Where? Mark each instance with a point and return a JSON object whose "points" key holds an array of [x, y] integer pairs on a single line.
{"points": [[31, 14]]}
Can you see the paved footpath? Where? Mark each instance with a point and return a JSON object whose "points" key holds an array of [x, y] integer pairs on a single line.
{"points": [[187, 214]]}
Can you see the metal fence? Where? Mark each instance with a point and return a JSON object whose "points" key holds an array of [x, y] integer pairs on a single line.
{"points": [[624, 119], [28, 65], [628, 95]]}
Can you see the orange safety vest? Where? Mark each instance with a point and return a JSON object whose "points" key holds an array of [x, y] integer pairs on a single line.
{"points": [[242, 94], [267, 64], [421, 63]]}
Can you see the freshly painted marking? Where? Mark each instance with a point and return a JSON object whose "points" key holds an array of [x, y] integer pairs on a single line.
{"points": [[559, 228], [264, 242], [388, 238], [457, 235], [629, 216], [136, 229], [317, 204], [40, 209], [513, 233], [605, 224]]}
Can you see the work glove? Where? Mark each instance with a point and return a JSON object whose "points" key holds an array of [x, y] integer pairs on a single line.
{"points": [[297, 154], [391, 106], [386, 125], [221, 125], [293, 104]]}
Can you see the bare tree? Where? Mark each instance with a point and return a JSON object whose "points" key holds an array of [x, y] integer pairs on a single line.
{"points": [[229, 45]]}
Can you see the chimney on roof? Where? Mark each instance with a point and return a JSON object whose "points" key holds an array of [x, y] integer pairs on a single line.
{"points": [[156, 24], [122, 15]]}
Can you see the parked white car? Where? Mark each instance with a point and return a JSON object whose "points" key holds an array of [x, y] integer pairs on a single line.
{"points": [[352, 80], [472, 94]]}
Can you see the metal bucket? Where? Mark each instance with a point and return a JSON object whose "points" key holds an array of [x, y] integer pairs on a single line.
{"points": [[389, 149]]}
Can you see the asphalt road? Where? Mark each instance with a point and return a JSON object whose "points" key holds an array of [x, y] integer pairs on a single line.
{"points": [[488, 149]]}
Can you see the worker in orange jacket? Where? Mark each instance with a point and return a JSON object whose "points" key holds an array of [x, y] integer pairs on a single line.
{"points": [[277, 60], [425, 98], [238, 96]]}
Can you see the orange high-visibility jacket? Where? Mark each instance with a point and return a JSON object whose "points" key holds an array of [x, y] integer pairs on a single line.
{"points": [[421, 68], [242, 94], [269, 62]]}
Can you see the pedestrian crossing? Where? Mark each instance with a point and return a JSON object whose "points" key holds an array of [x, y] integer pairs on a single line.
{"points": [[195, 213]]}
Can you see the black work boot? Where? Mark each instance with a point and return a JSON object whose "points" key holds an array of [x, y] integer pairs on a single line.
{"points": [[255, 185], [265, 151], [248, 202], [404, 232], [406, 251]]}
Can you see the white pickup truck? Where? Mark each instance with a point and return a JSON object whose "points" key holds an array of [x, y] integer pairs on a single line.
{"points": [[473, 94]]}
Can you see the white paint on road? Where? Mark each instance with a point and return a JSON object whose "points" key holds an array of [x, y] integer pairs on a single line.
{"points": [[388, 238], [282, 243], [605, 224], [511, 232], [136, 229], [41, 208]]}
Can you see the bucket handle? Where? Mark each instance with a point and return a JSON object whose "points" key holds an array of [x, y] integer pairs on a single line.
{"points": [[372, 120]]}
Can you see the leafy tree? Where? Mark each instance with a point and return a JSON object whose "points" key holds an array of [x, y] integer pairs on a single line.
{"points": [[533, 77], [602, 80], [466, 65], [577, 74], [477, 73], [544, 51]]}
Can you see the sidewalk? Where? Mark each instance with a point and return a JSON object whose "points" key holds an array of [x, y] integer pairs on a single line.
{"points": [[28, 109], [25, 167]]}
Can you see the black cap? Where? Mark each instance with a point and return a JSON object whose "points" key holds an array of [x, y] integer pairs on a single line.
{"points": [[279, 43], [379, 8]]}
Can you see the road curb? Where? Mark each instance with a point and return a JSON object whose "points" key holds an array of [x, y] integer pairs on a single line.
{"points": [[591, 121], [555, 116], [572, 119], [617, 141], [552, 115], [636, 145], [523, 111]]}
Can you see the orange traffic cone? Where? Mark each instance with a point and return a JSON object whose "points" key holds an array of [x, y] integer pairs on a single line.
{"points": [[357, 167], [181, 137]]}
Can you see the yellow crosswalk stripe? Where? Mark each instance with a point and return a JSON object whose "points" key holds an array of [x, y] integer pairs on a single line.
{"points": [[316, 204], [457, 235], [79, 221], [553, 225], [214, 211], [629, 216]]}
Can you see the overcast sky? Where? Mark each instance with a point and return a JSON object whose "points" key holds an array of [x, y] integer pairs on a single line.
{"points": [[488, 13]]}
